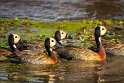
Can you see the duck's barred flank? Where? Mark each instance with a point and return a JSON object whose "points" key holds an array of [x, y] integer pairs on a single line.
{"points": [[117, 50]]}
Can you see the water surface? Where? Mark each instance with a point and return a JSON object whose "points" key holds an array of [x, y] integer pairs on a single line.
{"points": [[64, 72], [56, 10]]}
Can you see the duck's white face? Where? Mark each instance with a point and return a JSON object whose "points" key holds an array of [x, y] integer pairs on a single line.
{"points": [[52, 42], [16, 38], [102, 30], [63, 34]]}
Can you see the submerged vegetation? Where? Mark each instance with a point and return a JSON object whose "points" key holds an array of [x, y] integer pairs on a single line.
{"points": [[38, 30]]}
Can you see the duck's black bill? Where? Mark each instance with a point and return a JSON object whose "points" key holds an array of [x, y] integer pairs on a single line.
{"points": [[69, 36], [109, 32]]}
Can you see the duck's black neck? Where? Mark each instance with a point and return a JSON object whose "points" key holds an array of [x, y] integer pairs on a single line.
{"points": [[11, 44], [98, 42], [47, 46], [49, 50], [100, 48], [12, 47]]}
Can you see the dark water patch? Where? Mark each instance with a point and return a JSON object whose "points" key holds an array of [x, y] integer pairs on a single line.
{"points": [[113, 71], [54, 10]]}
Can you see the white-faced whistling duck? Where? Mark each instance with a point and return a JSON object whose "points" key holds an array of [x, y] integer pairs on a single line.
{"points": [[84, 53], [15, 43], [29, 56]]}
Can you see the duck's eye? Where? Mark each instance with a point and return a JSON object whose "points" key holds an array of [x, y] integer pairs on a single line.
{"points": [[16, 37], [62, 33], [52, 40], [102, 28]]}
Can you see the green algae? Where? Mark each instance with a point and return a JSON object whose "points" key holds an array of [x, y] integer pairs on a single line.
{"points": [[37, 30]]}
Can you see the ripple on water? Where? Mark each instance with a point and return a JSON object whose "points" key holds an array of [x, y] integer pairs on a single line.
{"points": [[55, 10]]}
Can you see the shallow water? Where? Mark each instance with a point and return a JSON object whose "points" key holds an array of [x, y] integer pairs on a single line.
{"points": [[55, 10], [64, 72]]}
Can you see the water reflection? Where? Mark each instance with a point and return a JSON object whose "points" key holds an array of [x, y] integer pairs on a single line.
{"points": [[67, 71], [55, 10]]}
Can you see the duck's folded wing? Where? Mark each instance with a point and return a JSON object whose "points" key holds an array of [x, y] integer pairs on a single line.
{"points": [[77, 53]]}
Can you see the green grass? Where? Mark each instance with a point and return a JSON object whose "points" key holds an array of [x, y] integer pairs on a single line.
{"points": [[33, 29]]}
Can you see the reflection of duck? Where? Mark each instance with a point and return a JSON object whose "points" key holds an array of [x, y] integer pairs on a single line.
{"points": [[29, 56], [15, 44], [116, 49], [83, 53]]}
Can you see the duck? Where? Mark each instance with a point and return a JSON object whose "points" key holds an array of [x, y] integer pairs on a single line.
{"points": [[31, 57], [59, 36], [15, 43], [70, 52], [115, 49]]}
